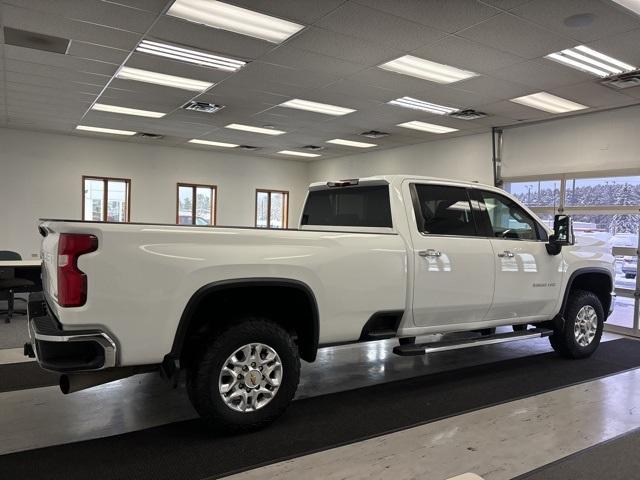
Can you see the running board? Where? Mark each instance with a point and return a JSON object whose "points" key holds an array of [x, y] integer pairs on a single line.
{"points": [[424, 348]]}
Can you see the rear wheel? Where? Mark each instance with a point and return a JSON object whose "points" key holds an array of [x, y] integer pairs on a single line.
{"points": [[583, 324], [246, 377]]}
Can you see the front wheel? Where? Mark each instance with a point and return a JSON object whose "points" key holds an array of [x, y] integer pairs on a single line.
{"points": [[246, 377], [583, 324]]}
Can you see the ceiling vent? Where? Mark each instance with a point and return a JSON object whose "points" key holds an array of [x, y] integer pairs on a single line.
{"points": [[313, 148], [374, 134], [35, 41], [150, 136], [468, 114], [251, 148], [203, 107], [623, 80]]}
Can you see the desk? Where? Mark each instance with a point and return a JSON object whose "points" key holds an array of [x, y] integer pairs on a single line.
{"points": [[20, 263], [28, 269]]}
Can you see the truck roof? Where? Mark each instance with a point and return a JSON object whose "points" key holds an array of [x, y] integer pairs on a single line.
{"points": [[396, 179]]}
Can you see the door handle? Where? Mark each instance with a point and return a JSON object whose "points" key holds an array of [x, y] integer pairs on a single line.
{"points": [[506, 254], [429, 253]]}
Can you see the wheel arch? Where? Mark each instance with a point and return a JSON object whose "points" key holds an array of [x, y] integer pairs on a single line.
{"points": [[594, 279], [308, 331]]}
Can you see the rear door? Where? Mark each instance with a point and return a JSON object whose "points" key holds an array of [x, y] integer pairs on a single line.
{"points": [[527, 278], [454, 266]]}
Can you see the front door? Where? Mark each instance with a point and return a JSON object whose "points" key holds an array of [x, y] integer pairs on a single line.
{"points": [[527, 277], [454, 267]]}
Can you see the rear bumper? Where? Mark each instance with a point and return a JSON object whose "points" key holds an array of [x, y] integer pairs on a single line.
{"points": [[61, 350]]}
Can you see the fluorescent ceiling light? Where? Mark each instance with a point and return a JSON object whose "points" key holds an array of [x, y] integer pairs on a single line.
{"points": [[316, 107], [105, 130], [128, 73], [427, 127], [234, 19], [351, 143], [249, 128], [432, 71], [213, 144], [549, 103], [101, 107], [190, 56], [298, 154], [589, 60], [633, 5], [415, 104]]}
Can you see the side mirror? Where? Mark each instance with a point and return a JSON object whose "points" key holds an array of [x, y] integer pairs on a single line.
{"points": [[562, 234]]}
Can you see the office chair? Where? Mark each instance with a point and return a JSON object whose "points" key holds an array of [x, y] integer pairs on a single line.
{"points": [[10, 285]]}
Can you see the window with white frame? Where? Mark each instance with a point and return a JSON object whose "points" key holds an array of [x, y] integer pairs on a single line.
{"points": [[605, 212]]}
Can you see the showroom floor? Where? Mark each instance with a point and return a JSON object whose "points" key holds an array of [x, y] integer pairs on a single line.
{"points": [[513, 422]]}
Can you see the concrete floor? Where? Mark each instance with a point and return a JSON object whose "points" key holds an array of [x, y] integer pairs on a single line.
{"points": [[41, 417]]}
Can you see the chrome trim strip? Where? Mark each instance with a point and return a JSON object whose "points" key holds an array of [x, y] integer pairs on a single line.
{"points": [[489, 341]]}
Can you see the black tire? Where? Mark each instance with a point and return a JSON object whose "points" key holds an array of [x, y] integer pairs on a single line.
{"points": [[203, 377], [564, 341], [520, 328]]}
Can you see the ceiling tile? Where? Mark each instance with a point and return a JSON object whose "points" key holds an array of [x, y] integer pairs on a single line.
{"points": [[462, 53], [509, 33], [542, 74], [505, 4], [288, 56], [93, 12], [49, 24], [450, 15], [98, 53], [607, 19], [362, 90], [593, 94], [56, 72], [258, 72], [494, 87], [36, 80], [379, 27], [153, 6], [57, 60], [342, 46]]}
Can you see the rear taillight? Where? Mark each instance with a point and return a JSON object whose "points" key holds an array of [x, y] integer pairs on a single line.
{"points": [[72, 282]]}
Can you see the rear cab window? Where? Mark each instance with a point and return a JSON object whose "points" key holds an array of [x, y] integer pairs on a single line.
{"points": [[361, 206]]}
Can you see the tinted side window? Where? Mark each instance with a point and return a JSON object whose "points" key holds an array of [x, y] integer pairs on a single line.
{"points": [[443, 210], [349, 207], [508, 219]]}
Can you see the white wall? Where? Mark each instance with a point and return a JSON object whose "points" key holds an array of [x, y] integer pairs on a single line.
{"points": [[40, 176], [464, 158], [600, 141]]}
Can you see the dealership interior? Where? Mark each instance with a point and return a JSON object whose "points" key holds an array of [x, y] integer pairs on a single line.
{"points": [[194, 116]]}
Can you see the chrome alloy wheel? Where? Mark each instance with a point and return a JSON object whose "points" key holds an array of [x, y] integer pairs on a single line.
{"points": [[585, 325], [250, 378]]}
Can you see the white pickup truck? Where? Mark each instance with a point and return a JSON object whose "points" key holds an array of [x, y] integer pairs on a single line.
{"points": [[374, 258]]}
